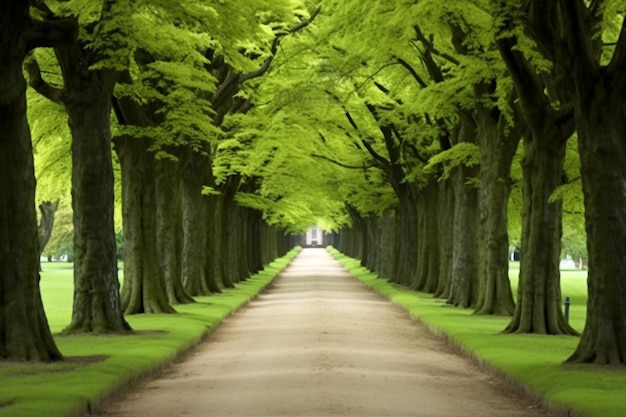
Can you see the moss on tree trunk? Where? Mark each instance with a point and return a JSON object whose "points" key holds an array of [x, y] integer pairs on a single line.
{"points": [[445, 225], [601, 124], [24, 331], [144, 287], [168, 229], [405, 266], [497, 143], [427, 239], [194, 255], [538, 308], [464, 281], [96, 286]]}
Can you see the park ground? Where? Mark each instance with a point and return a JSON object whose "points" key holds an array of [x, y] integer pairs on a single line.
{"points": [[98, 369], [319, 343]]}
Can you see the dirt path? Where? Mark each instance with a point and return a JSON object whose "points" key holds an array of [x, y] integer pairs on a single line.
{"points": [[320, 344]]}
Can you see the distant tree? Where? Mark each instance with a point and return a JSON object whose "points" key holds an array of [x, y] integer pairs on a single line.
{"points": [[47, 210]]}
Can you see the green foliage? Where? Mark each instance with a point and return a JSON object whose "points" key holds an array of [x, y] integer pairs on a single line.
{"points": [[52, 163], [50, 135], [462, 153], [300, 159]]}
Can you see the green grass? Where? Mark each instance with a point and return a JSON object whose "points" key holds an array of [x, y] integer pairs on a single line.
{"points": [[97, 366], [532, 361]]}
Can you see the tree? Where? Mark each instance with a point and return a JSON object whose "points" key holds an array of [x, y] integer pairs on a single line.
{"points": [[89, 68], [47, 211], [548, 114], [571, 35], [185, 79], [462, 81], [24, 331]]}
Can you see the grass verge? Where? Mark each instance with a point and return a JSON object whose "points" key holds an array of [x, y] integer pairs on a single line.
{"points": [[531, 363], [98, 366]]}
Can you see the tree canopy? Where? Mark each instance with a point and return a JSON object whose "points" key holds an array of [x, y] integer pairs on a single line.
{"points": [[414, 130]]}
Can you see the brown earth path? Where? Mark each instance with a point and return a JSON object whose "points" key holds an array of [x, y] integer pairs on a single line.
{"points": [[319, 343]]}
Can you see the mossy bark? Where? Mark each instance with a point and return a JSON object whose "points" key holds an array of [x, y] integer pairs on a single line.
{"points": [[464, 280], [445, 225], [405, 264], [194, 218], [24, 330], [86, 96], [601, 123], [538, 308], [169, 229], [144, 287], [428, 242], [498, 144]]}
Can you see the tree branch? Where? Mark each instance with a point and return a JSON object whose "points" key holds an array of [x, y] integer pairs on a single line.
{"points": [[342, 164], [431, 47], [412, 71], [530, 89], [618, 61], [36, 81], [577, 27], [385, 163], [274, 48], [351, 121]]}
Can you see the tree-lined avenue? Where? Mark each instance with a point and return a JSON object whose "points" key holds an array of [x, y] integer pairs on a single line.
{"points": [[316, 343]]}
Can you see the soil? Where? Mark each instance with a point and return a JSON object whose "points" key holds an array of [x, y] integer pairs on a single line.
{"points": [[319, 343]]}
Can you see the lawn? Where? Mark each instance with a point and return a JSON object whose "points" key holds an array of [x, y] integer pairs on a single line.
{"points": [[530, 362], [97, 366]]}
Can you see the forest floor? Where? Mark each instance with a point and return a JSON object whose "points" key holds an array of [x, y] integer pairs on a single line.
{"points": [[319, 343]]}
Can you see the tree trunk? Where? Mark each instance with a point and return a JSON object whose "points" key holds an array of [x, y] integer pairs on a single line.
{"points": [[254, 247], [538, 308], [224, 229], [405, 264], [24, 331], [428, 242], [464, 280], [388, 233], [46, 223], [213, 250], [227, 212], [168, 225], [601, 124], [144, 287], [445, 226], [239, 260], [198, 277], [497, 148], [86, 96]]}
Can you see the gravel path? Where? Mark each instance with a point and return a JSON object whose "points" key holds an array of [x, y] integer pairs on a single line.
{"points": [[319, 343]]}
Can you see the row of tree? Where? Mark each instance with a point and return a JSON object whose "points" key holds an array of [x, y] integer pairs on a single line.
{"points": [[427, 119], [423, 131], [487, 81], [155, 104]]}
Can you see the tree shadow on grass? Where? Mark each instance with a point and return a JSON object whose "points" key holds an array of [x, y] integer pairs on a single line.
{"points": [[7, 403], [68, 364]]}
